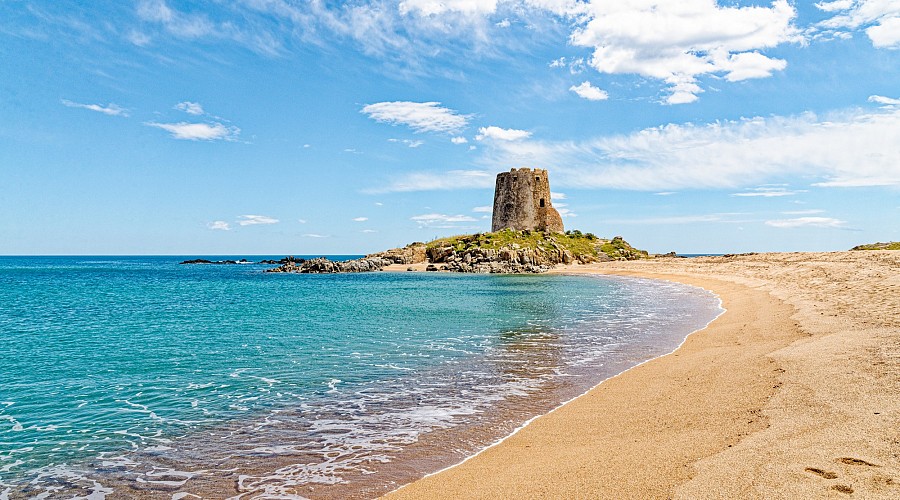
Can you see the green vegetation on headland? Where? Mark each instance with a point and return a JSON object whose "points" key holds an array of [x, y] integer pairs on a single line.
{"points": [[504, 251], [583, 247], [891, 245]]}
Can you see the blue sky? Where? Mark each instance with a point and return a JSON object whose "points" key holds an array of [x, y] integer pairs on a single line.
{"points": [[305, 127]]}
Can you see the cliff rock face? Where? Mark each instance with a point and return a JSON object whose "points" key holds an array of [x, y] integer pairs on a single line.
{"points": [[522, 202], [414, 253]]}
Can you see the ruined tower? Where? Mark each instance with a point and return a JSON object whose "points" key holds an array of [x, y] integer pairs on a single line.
{"points": [[522, 201]]}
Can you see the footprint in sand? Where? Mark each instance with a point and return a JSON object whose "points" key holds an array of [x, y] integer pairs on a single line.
{"points": [[843, 488], [855, 461], [822, 473]]}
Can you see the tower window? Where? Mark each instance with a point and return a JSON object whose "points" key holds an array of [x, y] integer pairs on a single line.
{"points": [[537, 179], [542, 203]]}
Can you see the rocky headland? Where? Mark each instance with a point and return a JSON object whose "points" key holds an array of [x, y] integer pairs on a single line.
{"points": [[501, 252]]}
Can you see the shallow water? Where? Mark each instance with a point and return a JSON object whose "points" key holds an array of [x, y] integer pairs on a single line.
{"points": [[135, 376]]}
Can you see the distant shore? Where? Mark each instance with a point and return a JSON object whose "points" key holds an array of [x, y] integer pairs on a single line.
{"points": [[792, 393]]}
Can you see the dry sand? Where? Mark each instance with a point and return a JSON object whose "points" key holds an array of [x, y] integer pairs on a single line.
{"points": [[794, 392]]}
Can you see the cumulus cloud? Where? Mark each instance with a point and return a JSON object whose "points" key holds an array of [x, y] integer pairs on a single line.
{"points": [[109, 109], [824, 222], [587, 91], [191, 108], [419, 116], [855, 147], [459, 140], [676, 42], [887, 101], [501, 134], [198, 131], [252, 220], [219, 225], [880, 19]]}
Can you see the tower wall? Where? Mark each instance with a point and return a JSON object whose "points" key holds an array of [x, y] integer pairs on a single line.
{"points": [[522, 201]]}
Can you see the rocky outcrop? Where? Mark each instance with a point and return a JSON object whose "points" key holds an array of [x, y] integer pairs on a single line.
{"points": [[508, 259], [619, 249], [321, 265], [414, 253], [242, 261]]}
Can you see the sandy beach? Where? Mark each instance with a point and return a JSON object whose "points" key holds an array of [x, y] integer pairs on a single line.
{"points": [[794, 392]]}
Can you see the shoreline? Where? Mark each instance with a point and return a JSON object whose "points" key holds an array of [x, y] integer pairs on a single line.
{"points": [[734, 411], [595, 386]]}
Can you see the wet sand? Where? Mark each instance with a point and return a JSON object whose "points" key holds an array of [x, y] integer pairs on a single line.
{"points": [[794, 392]]}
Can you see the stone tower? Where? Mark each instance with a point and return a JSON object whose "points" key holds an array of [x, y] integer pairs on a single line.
{"points": [[522, 201]]}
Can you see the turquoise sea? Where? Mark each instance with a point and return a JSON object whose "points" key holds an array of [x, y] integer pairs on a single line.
{"points": [[137, 377]]}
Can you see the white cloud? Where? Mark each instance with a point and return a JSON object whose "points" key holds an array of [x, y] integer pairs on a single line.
{"points": [[768, 192], [503, 24], [419, 116], [887, 101], [198, 131], [564, 212], [110, 109], [880, 19], [301, 221], [369, 231], [459, 140], [501, 134], [437, 7], [826, 222], [407, 142], [431, 181], [360, 219], [251, 220], [683, 219], [676, 42], [219, 225], [803, 212], [195, 25], [665, 193], [557, 196], [835, 5], [138, 38], [587, 91], [441, 220], [856, 147], [314, 235], [487, 209], [191, 108]]}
